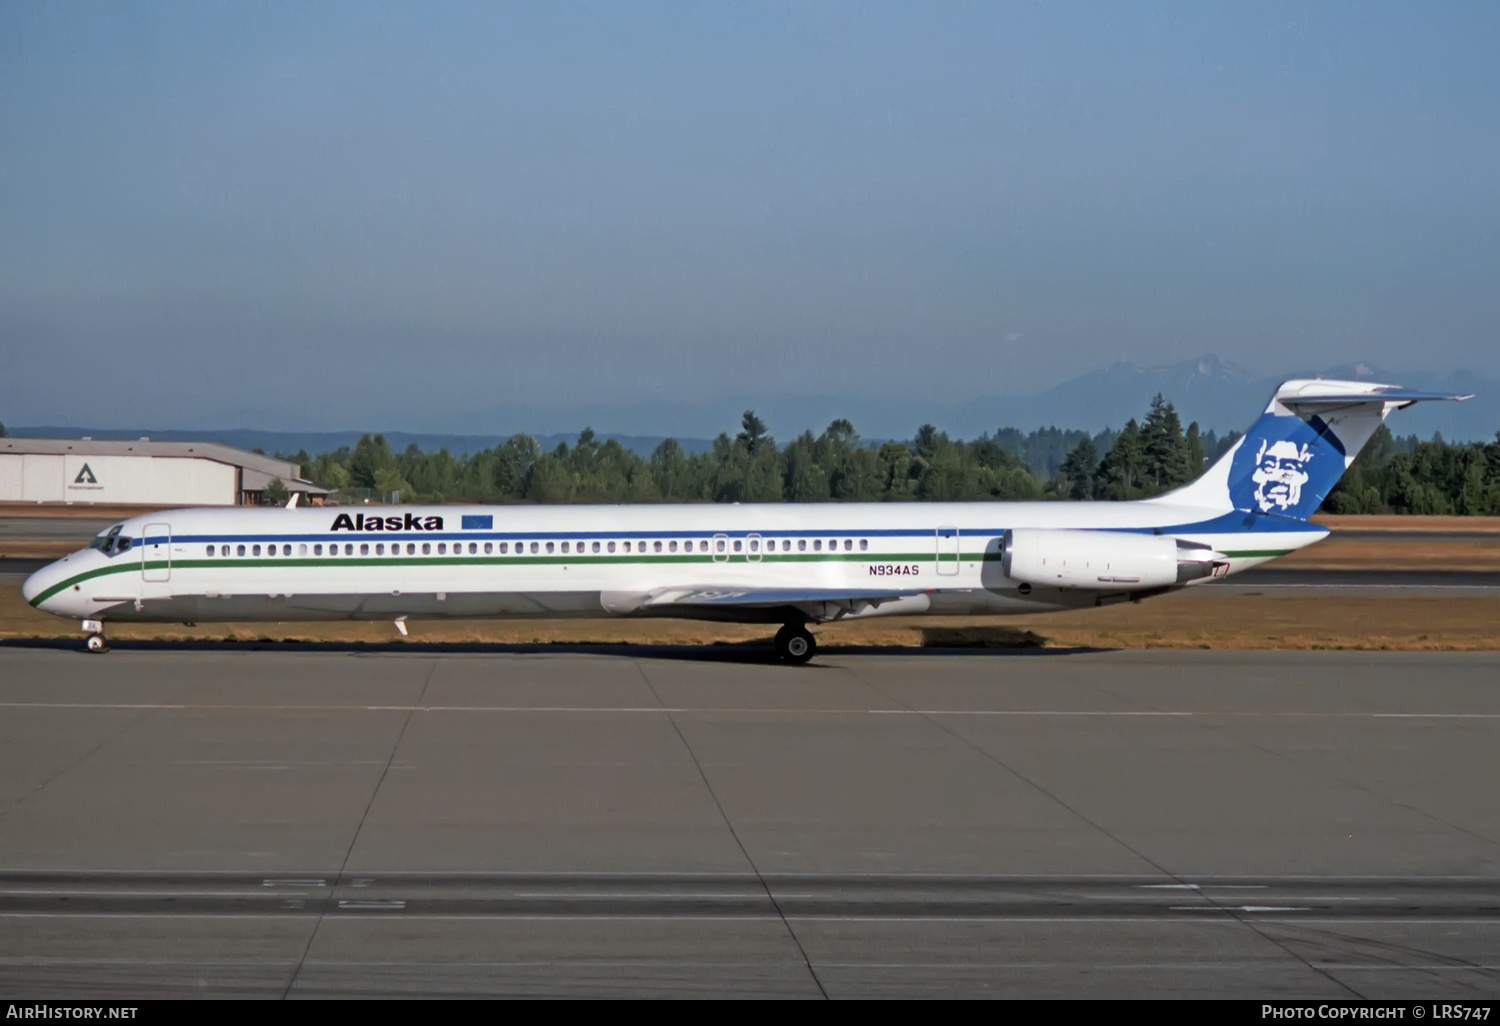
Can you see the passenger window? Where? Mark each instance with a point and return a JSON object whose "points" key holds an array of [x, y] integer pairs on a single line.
{"points": [[671, 546], [411, 549], [611, 546], [349, 549], [255, 551], [380, 549], [817, 544], [427, 548], [239, 550], [848, 544], [210, 551], [596, 546], [364, 550], [488, 548], [801, 544], [627, 546], [317, 550], [534, 547], [657, 547], [737, 545], [473, 548], [864, 543], [565, 546], [504, 548], [442, 548], [754, 545], [719, 544], [549, 548]]}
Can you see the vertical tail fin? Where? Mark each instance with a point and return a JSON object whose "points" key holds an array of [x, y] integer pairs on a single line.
{"points": [[1291, 458]]}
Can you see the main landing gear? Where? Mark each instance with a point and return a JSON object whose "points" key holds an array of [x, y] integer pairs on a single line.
{"points": [[794, 644]]}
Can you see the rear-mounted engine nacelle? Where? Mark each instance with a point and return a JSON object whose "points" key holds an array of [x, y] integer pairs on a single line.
{"points": [[1103, 560]]}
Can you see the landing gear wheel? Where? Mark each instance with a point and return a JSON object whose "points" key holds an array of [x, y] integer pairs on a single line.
{"points": [[96, 643], [794, 644]]}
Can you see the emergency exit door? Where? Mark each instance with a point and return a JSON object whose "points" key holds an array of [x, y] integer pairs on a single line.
{"points": [[947, 550], [156, 553]]}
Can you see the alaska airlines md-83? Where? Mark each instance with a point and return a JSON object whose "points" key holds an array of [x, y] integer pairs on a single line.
{"points": [[788, 564]]}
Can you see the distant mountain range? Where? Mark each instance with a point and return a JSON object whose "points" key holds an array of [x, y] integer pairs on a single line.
{"points": [[1216, 393]]}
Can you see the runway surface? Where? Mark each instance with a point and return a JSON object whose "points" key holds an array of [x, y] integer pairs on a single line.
{"points": [[81, 529], [181, 821]]}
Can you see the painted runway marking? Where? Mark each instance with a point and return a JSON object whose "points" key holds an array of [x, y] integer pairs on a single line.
{"points": [[591, 963], [772, 918], [1238, 908], [381, 906], [631, 710]]}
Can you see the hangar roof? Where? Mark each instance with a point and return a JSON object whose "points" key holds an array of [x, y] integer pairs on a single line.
{"points": [[258, 469]]}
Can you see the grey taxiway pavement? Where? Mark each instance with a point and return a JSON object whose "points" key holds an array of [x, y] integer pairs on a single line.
{"points": [[183, 821]]}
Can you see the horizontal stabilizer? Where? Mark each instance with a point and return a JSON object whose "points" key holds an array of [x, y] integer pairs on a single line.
{"points": [[1330, 401]]}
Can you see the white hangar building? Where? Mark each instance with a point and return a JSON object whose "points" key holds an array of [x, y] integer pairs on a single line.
{"points": [[143, 472]]}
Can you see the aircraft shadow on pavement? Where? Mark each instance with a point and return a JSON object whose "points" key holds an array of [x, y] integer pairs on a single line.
{"points": [[1006, 642]]}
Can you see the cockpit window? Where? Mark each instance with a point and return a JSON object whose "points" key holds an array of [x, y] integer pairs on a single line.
{"points": [[111, 542]]}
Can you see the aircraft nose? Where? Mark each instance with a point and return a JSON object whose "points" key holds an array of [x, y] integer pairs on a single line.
{"points": [[38, 583]]}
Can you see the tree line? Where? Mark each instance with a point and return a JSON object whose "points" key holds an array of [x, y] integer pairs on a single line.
{"points": [[1391, 474], [1141, 459]]}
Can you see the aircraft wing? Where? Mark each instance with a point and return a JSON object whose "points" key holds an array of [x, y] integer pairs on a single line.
{"points": [[776, 596], [819, 603]]}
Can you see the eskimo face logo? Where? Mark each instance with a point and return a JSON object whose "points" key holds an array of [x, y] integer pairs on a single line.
{"points": [[1280, 473]]}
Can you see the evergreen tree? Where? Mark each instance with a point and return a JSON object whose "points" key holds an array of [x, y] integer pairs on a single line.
{"points": [[1079, 470], [1166, 461], [372, 456], [1119, 475], [752, 430], [1195, 449]]}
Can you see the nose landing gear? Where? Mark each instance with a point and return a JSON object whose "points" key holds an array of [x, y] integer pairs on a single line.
{"points": [[95, 642], [795, 645]]}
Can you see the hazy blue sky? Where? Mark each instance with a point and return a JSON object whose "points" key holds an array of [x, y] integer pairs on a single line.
{"points": [[340, 214]]}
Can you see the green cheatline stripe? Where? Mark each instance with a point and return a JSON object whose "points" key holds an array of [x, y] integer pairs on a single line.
{"points": [[540, 560], [466, 560]]}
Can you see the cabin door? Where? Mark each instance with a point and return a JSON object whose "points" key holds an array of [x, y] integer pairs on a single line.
{"points": [[156, 553], [947, 550]]}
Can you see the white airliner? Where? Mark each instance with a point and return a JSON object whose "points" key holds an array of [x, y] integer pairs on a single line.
{"points": [[792, 564]]}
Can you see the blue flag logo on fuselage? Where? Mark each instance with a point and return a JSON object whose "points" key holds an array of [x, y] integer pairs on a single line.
{"points": [[1286, 466]]}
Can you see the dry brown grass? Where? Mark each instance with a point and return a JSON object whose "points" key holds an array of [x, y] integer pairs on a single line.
{"points": [[1402, 523], [1337, 553], [1191, 619]]}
